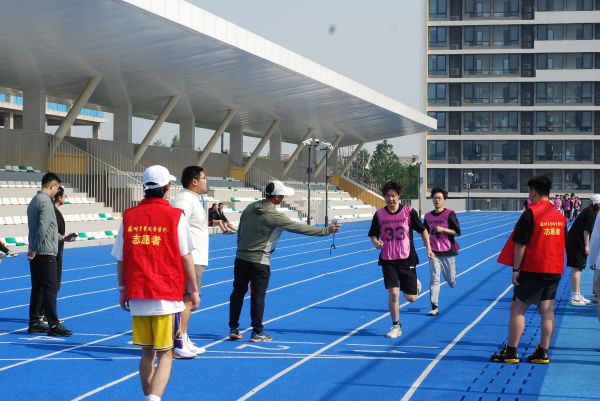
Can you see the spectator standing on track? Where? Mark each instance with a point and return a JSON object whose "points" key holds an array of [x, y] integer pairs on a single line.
{"points": [[558, 204], [578, 248], [566, 205], [536, 252], [214, 219], [391, 231], [59, 200], [576, 205], [442, 226], [153, 252], [260, 227], [224, 219], [195, 184], [595, 263], [43, 248]]}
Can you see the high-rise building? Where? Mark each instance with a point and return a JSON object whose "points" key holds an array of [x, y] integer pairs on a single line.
{"points": [[515, 87]]}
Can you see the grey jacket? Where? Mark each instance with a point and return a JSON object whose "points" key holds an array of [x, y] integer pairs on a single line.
{"points": [[43, 229], [260, 228]]}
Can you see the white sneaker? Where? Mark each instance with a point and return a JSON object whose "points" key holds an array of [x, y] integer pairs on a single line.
{"points": [[576, 301], [433, 312], [584, 299], [190, 346], [183, 353], [395, 331]]}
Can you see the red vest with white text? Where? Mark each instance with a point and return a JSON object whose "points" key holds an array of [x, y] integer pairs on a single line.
{"points": [[151, 258]]}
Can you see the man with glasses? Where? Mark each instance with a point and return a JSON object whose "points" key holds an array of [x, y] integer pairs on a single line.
{"points": [[43, 248]]}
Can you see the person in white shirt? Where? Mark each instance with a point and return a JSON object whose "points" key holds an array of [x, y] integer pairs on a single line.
{"points": [[190, 200]]}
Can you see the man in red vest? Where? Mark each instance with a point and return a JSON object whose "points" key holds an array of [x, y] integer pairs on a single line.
{"points": [[153, 252], [536, 252]]}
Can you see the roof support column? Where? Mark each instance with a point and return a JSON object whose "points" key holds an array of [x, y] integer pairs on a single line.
{"points": [[216, 136], [297, 152], [334, 145], [275, 146], [122, 123], [67, 123], [261, 145], [351, 158], [141, 148], [187, 132], [9, 121], [34, 108], [96, 131], [236, 145]]}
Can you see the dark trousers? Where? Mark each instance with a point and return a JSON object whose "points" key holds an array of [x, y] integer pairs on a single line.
{"points": [[59, 259], [43, 289], [257, 275]]}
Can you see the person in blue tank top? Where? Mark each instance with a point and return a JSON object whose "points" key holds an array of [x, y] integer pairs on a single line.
{"points": [[391, 231]]}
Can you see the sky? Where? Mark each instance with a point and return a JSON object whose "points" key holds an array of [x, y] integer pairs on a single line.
{"points": [[373, 43]]}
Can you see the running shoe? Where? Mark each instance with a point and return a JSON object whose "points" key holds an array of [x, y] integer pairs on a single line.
{"points": [[183, 353], [261, 337], [395, 331], [192, 347], [540, 355], [433, 312], [505, 355], [12, 255], [234, 334], [58, 330], [584, 299], [37, 327], [577, 301]]}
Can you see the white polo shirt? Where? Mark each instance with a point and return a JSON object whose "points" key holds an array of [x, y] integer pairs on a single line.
{"points": [[190, 202]]}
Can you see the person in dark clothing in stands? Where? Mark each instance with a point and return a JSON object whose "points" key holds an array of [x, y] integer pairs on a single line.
{"points": [[224, 219], [5, 251], [214, 219], [59, 200]]}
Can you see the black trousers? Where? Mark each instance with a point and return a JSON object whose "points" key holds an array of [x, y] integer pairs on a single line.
{"points": [[257, 275], [43, 289]]}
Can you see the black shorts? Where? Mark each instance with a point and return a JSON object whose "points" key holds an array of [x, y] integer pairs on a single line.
{"points": [[532, 290], [576, 258], [404, 278]]}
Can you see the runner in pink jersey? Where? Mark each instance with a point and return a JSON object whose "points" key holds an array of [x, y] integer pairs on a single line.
{"points": [[442, 225], [391, 231]]}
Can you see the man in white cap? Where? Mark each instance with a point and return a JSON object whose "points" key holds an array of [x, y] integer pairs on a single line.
{"points": [[153, 252], [578, 248], [259, 230]]}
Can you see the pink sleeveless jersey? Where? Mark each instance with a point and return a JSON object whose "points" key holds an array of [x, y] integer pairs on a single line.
{"points": [[557, 203], [440, 242], [394, 232]]}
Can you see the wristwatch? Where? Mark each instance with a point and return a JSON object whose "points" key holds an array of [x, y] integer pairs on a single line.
{"points": [[516, 270]]}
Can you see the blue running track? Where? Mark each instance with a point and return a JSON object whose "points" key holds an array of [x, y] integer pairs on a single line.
{"points": [[328, 317]]}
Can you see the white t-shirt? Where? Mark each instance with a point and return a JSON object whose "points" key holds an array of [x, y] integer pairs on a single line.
{"points": [[190, 203], [157, 307]]}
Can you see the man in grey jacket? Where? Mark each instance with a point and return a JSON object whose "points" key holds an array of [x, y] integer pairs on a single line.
{"points": [[43, 248], [260, 227]]}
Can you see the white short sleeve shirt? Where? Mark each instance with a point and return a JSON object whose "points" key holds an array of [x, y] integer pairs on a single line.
{"points": [[191, 205]]}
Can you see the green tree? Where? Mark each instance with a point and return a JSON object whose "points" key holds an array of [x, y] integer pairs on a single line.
{"points": [[175, 142], [384, 164], [160, 142]]}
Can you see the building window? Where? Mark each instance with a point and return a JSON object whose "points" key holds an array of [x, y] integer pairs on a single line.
{"points": [[550, 61], [578, 92], [478, 8], [578, 121], [505, 121], [436, 150], [476, 150], [478, 64], [478, 121], [551, 5], [436, 177], [549, 92], [548, 151], [550, 32], [437, 65], [440, 116], [504, 150], [437, 36], [479, 180], [579, 5], [505, 64], [580, 32], [476, 92], [506, 8], [554, 175], [436, 93], [438, 9], [578, 151], [505, 35], [549, 121], [578, 180], [477, 36], [578, 61], [505, 92], [504, 179]]}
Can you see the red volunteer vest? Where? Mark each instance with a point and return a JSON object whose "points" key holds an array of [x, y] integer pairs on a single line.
{"points": [[151, 257], [545, 252]]}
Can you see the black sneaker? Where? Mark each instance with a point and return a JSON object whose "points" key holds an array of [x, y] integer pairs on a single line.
{"points": [[37, 327], [260, 337], [540, 355], [58, 330], [506, 355], [234, 334]]}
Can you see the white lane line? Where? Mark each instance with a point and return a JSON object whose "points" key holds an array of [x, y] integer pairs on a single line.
{"points": [[290, 368], [417, 383], [64, 270], [226, 356], [61, 298], [393, 346], [64, 282]]}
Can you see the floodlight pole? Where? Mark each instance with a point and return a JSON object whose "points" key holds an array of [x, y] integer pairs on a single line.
{"points": [[309, 172], [326, 187]]}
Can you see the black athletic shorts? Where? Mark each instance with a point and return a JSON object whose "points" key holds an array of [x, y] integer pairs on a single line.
{"points": [[401, 277], [532, 290]]}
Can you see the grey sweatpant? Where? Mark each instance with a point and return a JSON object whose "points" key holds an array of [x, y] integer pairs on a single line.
{"points": [[445, 264]]}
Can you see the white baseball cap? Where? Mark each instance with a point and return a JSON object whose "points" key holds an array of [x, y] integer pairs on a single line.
{"points": [[595, 199], [279, 189], [157, 176]]}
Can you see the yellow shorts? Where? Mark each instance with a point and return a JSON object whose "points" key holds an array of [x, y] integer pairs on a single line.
{"points": [[153, 331]]}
